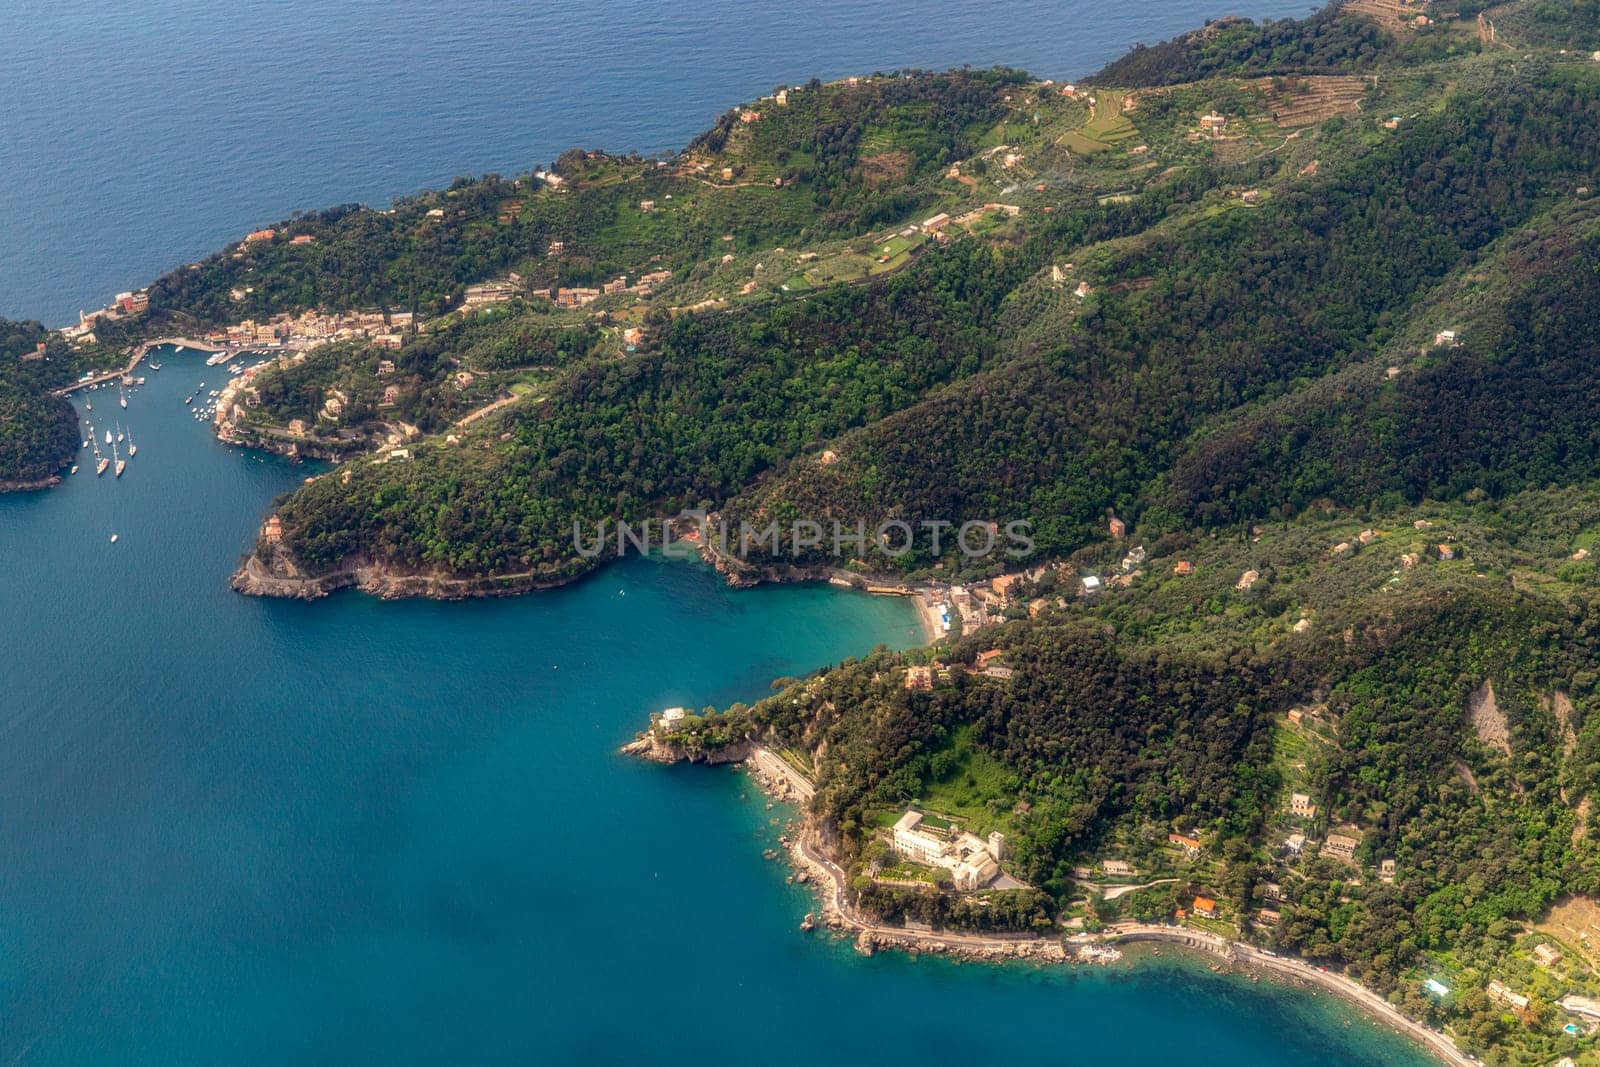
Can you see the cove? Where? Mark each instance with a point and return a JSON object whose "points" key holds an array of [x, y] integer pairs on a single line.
{"points": [[240, 830]]}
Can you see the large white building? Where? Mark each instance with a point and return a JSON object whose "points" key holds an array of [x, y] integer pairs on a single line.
{"points": [[972, 862]]}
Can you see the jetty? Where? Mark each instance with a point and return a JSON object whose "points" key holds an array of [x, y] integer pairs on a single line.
{"points": [[135, 359]]}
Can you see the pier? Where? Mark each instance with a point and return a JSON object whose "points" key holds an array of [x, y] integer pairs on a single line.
{"points": [[137, 358]]}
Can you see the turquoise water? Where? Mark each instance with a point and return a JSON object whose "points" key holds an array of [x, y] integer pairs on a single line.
{"points": [[246, 831], [240, 831]]}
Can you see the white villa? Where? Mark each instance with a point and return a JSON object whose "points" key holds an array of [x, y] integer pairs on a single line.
{"points": [[973, 862]]}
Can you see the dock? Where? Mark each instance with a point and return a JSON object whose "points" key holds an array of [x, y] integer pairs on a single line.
{"points": [[134, 361]]}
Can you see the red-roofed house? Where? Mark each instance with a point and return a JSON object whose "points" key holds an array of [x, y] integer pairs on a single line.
{"points": [[1190, 845]]}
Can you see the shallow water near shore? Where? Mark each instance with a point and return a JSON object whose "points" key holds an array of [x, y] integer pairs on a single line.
{"points": [[246, 831], [241, 831]]}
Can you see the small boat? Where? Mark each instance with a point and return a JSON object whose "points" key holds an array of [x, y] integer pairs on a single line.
{"points": [[113, 538], [108, 437], [188, 400], [88, 406], [74, 468]]}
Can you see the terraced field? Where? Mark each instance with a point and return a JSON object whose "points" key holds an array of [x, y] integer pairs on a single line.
{"points": [[1309, 100], [1108, 126]]}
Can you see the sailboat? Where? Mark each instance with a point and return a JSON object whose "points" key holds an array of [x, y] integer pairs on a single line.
{"points": [[101, 463], [122, 397], [119, 433], [121, 464], [133, 449]]}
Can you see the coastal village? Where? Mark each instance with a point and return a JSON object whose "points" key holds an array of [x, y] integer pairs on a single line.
{"points": [[1167, 883], [1066, 137]]}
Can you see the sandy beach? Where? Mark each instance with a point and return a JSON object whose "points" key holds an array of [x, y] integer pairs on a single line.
{"points": [[929, 617]]}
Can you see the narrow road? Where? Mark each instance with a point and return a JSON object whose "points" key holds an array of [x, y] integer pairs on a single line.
{"points": [[837, 904], [488, 409], [1117, 891], [1436, 1042]]}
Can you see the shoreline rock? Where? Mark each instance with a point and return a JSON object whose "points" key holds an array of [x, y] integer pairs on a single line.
{"points": [[30, 486], [282, 577], [649, 746], [870, 938]]}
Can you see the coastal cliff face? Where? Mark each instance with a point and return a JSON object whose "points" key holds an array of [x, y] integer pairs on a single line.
{"points": [[30, 486], [651, 747], [270, 572], [283, 444], [742, 574]]}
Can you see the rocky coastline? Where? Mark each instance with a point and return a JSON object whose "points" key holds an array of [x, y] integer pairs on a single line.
{"points": [[809, 853], [280, 576], [30, 485]]}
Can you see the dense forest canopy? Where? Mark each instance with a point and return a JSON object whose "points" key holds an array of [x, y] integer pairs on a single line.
{"points": [[1285, 328], [38, 431]]}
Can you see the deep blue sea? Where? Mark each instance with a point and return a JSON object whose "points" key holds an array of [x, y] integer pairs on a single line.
{"points": [[135, 137], [242, 831]]}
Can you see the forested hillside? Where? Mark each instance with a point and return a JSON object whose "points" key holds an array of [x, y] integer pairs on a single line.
{"points": [[1136, 353], [1437, 711], [1281, 336], [38, 431]]}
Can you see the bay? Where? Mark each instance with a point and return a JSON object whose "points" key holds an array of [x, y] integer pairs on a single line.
{"points": [[244, 831]]}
